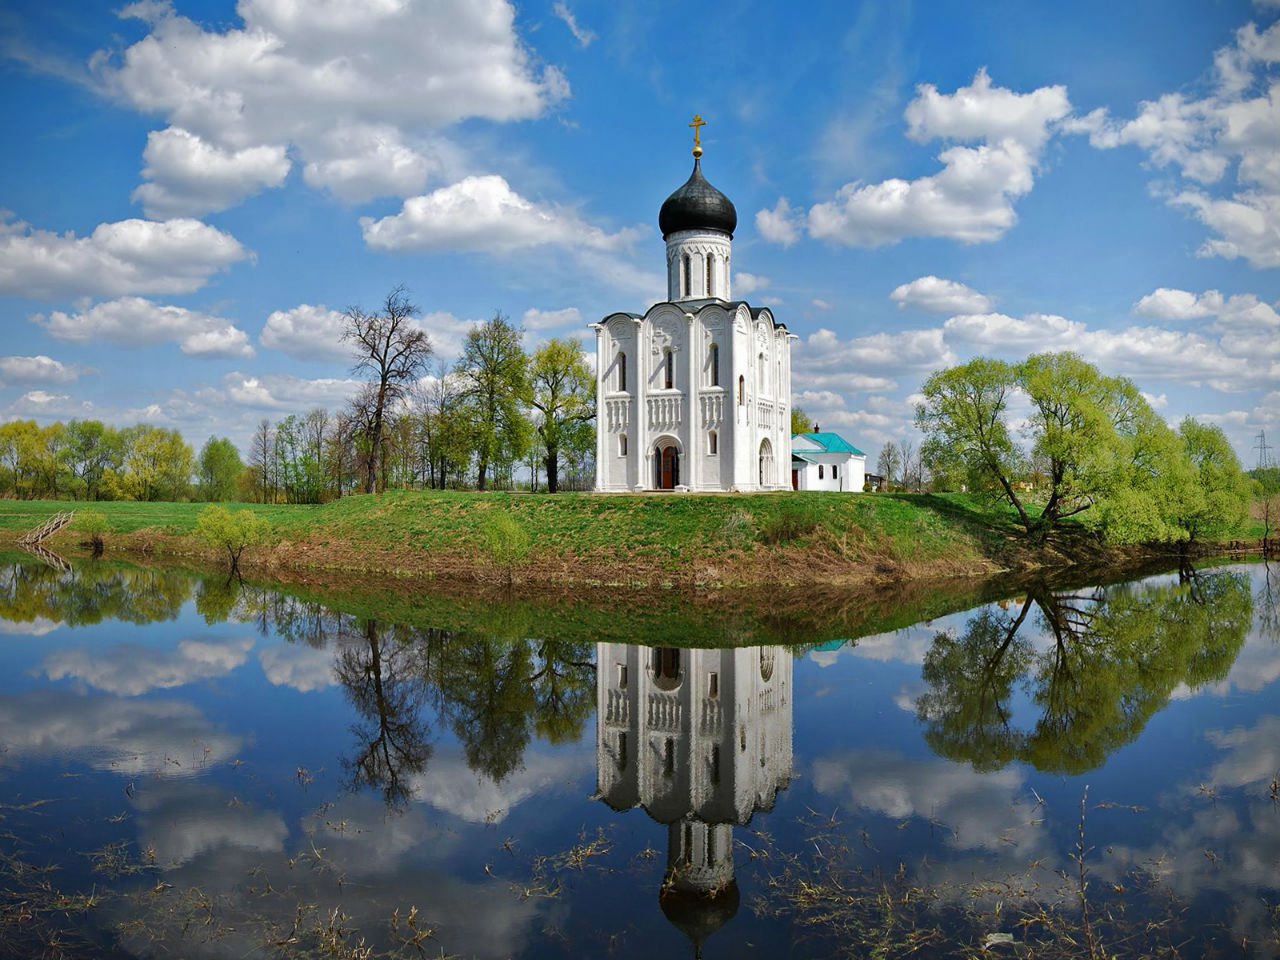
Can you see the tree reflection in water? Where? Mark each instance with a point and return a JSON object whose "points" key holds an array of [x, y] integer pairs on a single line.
{"points": [[493, 693], [387, 685], [1113, 657], [91, 593]]}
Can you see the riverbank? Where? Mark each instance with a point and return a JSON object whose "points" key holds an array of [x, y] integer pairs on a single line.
{"points": [[641, 541]]}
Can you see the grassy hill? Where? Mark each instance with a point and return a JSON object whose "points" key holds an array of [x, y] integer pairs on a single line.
{"points": [[784, 538]]}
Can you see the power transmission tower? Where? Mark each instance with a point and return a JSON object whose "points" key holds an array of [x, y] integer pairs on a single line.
{"points": [[1264, 455]]}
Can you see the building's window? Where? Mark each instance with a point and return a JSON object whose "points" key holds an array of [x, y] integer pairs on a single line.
{"points": [[742, 390], [669, 757], [715, 779], [688, 844], [835, 471], [669, 368], [666, 663], [710, 286], [713, 685], [688, 280], [760, 366], [712, 441], [819, 471], [622, 750], [715, 364], [622, 445], [622, 676], [766, 674], [622, 371]]}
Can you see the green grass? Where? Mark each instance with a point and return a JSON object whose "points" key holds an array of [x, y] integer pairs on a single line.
{"points": [[677, 534]]}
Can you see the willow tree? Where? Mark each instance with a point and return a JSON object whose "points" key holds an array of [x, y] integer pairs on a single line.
{"points": [[393, 351], [1086, 438]]}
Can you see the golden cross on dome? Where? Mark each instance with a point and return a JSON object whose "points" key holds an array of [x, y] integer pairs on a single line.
{"points": [[698, 123]]}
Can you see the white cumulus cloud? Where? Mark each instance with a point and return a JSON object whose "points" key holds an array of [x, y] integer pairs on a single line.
{"points": [[484, 214], [188, 176], [971, 199], [40, 369], [136, 322], [535, 319], [934, 295], [358, 92], [125, 257], [1236, 125], [307, 331]]}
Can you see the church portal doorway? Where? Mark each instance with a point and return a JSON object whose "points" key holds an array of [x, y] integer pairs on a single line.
{"points": [[766, 464], [667, 467]]}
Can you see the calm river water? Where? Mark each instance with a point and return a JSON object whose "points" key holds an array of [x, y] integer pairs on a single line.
{"points": [[196, 769]]}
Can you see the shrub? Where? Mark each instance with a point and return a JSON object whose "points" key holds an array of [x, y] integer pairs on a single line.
{"points": [[506, 542], [220, 527], [790, 523], [94, 524], [739, 529]]}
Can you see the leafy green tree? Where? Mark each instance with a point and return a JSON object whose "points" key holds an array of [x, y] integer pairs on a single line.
{"points": [[800, 421], [493, 370], [394, 352], [90, 448], [563, 394], [1266, 498], [157, 465], [1218, 499], [218, 526], [219, 470], [1092, 444]]}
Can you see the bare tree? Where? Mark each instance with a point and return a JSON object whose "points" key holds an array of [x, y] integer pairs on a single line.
{"points": [[910, 466], [394, 352], [889, 461], [260, 458]]}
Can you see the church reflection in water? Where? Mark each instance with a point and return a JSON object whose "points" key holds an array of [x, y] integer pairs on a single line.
{"points": [[701, 739]]}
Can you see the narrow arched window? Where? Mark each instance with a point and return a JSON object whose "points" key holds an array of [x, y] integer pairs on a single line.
{"points": [[688, 278], [710, 286], [669, 367], [742, 390], [622, 371], [622, 445], [762, 372], [819, 471], [715, 364], [711, 443]]}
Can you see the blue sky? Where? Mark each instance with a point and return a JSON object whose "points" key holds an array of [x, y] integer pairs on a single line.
{"points": [[194, 192]]}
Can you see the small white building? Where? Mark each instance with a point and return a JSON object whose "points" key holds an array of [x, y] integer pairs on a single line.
{"points": [[826, 461], [695, 394]]}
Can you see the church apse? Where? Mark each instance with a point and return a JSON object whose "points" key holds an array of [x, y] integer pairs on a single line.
{"points": [[701, 740]]}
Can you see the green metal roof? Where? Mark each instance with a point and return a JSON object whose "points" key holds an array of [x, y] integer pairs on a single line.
{"points": [[806, 457], [832, 443]]}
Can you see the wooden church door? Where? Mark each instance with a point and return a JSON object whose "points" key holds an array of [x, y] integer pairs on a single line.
{"points": [[670, 472]]}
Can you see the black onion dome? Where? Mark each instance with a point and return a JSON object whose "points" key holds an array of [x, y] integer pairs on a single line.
{"points": [[697, 206], [698, 916]]}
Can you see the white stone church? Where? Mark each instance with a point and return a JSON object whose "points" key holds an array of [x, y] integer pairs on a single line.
{"points": [[695, 394]]}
